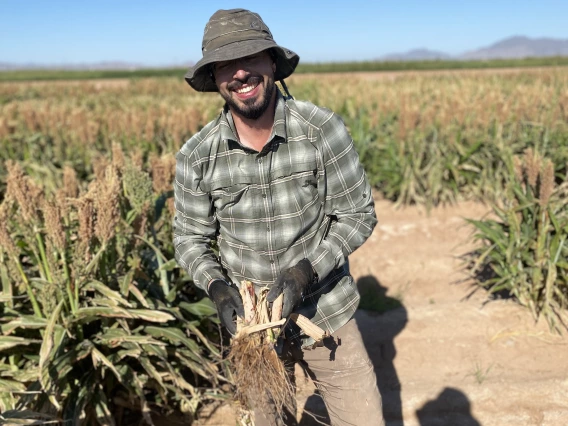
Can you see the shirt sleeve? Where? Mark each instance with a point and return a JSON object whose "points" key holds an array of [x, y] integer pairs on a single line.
{"points": [[195, 225], [348, 202]]}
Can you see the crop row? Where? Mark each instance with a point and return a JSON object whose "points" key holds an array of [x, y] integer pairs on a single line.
{"points": [[96, 317]]}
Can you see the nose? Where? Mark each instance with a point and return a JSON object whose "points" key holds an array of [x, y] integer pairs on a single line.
{"points": [[240, 73]]}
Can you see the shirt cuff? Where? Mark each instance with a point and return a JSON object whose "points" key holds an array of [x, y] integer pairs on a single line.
{"points": [[208, 273], [323, 260], [216, 279]]}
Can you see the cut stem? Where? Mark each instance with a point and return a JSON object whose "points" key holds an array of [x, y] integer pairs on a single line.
{"points": [[260, 327]]}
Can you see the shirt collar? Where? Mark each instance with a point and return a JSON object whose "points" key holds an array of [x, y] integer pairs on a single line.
{"points": [[229, 132]]}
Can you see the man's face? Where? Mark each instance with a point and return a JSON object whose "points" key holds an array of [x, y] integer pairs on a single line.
{"points": [[246, 84]]}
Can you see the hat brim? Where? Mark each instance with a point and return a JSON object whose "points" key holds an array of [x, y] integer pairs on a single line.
{"points": [[199, 78]]}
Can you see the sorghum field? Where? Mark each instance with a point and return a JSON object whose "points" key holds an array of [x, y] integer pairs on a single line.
{"points": [[100, 326]]}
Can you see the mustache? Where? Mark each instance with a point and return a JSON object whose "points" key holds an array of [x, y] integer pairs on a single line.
{"points": [[237, 84]]}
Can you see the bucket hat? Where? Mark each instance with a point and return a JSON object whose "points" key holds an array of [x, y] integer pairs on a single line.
{"points": [[232, 34]]}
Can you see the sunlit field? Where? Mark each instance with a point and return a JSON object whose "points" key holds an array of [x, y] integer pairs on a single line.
{"points": [[90, 291], [425, 139]]}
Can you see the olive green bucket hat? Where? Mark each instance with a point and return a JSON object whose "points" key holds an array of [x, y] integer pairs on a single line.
{"points": [[233, 34]]}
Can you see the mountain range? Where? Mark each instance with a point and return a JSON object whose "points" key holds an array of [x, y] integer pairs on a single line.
{"points": [[509, 48], [516, 47]]}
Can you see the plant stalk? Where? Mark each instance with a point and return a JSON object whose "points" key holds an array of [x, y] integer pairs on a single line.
{"points": [[29, 290]]}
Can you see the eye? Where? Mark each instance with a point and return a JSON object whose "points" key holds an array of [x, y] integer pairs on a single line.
{"points": [[220, 66], [254, 59]]}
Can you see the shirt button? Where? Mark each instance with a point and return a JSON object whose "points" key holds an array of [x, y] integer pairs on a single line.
{"points": [[272, 261], [260, 160], [268, 228], [263, 195]]}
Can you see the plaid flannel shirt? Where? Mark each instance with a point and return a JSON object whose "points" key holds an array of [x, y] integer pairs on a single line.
{"points": [[305, 195]]}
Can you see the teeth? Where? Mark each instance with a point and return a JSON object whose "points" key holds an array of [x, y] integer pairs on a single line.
{"points": [[245, 89]]}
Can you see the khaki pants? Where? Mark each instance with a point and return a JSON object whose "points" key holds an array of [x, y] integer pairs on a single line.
{"points": [[347, 383]]}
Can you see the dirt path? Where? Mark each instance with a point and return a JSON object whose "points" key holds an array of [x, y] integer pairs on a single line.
{"points": [[442, 359]]}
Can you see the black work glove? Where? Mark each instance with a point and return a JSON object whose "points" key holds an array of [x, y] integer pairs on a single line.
{"points": [[292, 282], [228, 300]]}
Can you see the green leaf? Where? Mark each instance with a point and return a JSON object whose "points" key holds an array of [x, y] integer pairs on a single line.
{"points": [[98, 358], [174, 335], [195, 330], [11, 386], [93, 313], [488, 232], [79, 398], [7, 342], [27, 374], [170, 265], [151, 370], [121, 354], [204, 308], [7, 292], [48, 338], [136, 384], [138, 295], [104, 416], [178, 379], [161, 261], [115, 337], [27, 417], [472, 150], [63, 364], [45, 352], [187, 405], [125, 282], [157, 351], [24, 321], [554, 221], [204, 369], [151, 315], [556, 251], [115, 296]]}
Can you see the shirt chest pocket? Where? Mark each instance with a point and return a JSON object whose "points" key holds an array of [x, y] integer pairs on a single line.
{"points": [[284, 183], [234, 198], [297, 178]]}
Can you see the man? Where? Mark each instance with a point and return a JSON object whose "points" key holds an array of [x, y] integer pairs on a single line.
{"points": [[278, 185]]}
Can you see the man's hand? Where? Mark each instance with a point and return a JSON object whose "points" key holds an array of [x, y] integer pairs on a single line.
{"points": [[228, 300], [292, 283]]}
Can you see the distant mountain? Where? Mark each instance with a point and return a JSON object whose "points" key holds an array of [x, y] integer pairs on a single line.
{"points": [[509, 48], [416, 55], [512, 47], [520, 47]]}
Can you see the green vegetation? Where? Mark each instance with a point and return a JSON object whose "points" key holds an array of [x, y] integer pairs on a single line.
{"points": [[370, 66], [525, 248], [93, 306], [96, 317], [39, 75], [324, 67], [480, 373]]}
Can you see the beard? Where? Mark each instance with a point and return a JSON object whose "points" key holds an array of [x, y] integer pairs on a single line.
{"points": [[251, 108]]}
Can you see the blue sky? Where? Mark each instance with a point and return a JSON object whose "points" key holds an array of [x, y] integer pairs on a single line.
{"points": [[169, 32]]}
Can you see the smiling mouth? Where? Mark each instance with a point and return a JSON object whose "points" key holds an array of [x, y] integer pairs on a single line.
{"points": [[245, 88]]}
